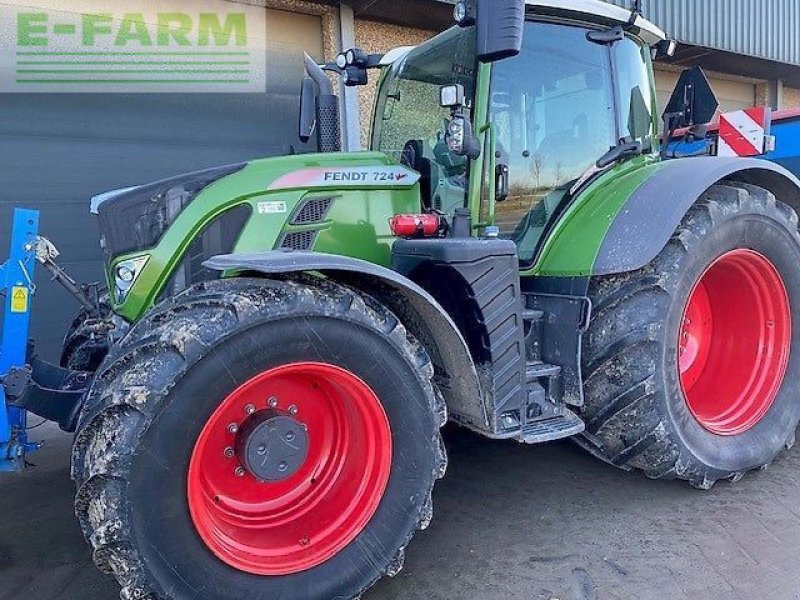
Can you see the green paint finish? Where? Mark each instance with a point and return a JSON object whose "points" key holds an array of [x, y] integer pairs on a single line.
{"points": [[357, 225], [574, 243], [481, 125]]}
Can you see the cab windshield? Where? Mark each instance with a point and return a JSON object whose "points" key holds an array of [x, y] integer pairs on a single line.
{"points": [[409, 122], [557, 108]]}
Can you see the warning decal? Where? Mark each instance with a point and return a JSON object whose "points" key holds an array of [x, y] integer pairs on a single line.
{"points": [[19, 299]]}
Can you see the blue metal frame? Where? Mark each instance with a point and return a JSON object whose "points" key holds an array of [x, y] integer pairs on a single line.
{"points": [[17, 282]]}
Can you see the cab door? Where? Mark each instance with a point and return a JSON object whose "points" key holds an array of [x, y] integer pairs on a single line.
{"points": [[554, 110]]}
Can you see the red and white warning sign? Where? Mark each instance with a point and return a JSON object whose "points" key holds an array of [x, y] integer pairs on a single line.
{"points": [[744, 132]]}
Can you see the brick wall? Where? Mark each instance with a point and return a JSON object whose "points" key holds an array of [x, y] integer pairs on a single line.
{"points": [[791, 98]]}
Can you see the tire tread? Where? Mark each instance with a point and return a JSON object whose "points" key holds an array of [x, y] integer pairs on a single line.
{"points": [[133, 383], [621, 351]]}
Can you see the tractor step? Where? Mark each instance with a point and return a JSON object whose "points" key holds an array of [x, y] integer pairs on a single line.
{"points": [[539, 370], [532, 315], [554, 428]]}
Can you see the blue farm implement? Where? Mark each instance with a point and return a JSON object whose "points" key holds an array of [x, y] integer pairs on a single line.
{"points": [[27, 384], [780, 137]]}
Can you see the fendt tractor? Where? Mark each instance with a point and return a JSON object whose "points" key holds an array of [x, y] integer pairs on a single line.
{"points": [[258, 395]]}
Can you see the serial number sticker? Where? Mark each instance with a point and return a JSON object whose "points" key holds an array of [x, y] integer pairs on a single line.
{"points": [[19, 299], [271, 208]]}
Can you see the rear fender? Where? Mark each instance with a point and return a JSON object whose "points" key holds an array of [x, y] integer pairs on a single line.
{"points": [[641, 223], [456, 375]]}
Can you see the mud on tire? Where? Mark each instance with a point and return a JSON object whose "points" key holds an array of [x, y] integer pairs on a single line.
{"points": [[636, 411], [84, 348], [156, 389]]}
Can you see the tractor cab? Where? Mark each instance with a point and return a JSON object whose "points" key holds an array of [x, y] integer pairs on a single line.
{"points": [[543, 120]]}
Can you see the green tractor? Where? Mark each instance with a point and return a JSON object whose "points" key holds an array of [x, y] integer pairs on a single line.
{"points": [[518, 252]]}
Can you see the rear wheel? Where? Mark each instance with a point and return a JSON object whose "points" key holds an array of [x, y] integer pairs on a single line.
{"points": [[690, 362], [253, 438]]}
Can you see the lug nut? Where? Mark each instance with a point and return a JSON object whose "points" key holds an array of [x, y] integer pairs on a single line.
{"points": [[239, 472], [233, 428], [229, 452], [262, 449], [273, 402], [249, 409], [282, 467], [292, 410], [290, 436]]}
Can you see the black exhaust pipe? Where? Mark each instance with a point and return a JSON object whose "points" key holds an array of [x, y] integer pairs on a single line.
{"points": [[328, 118]]}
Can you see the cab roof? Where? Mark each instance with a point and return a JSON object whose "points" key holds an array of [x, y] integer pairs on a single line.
{"points": [[594, 9]]}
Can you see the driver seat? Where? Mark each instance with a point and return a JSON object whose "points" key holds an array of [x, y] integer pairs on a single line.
{"points": [[414, 158]]}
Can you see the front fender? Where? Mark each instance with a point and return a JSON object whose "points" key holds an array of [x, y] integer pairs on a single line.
{"points": [[456, 375], [623, 221]]}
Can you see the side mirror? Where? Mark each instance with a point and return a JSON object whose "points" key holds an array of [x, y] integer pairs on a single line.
{"points": [[308, 110], [500, 25]]}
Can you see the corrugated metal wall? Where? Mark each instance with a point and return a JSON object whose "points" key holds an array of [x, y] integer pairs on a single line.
{"points": [[763, 28]]}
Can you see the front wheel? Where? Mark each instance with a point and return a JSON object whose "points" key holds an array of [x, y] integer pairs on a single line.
{"points": [[254, 438], [691, 363]]}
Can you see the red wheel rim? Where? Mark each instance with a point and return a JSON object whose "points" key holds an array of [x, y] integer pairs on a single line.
{"points": [[734, 342], [295, 524]]}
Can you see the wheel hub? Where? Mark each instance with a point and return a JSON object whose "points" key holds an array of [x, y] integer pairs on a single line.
{"points": [[272, 446]]}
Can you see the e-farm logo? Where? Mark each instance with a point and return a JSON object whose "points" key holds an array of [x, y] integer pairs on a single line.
{"points": [[182, 46]]}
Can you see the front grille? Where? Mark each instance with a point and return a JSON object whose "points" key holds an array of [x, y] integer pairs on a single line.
{"points": [[312, 211], [299, 240], [218, 237]]}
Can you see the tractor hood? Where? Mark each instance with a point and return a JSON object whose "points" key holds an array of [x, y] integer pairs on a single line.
{"points": [[156, 236], [135, 218]]}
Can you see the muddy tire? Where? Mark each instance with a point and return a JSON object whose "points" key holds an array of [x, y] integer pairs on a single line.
{"points": [[84, 347], [252, 438], [691, 363]]}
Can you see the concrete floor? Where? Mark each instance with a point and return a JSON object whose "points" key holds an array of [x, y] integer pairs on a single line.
{"points": [[512, 523]]}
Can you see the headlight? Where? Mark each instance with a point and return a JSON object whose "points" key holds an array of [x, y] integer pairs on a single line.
{"points": [[125, 275]]}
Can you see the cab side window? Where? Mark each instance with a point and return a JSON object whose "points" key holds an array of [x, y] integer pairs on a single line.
{"points": [[553, 112]]}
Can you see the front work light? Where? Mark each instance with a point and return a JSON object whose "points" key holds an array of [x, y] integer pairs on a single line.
{"points": [[125, 275], [452, 96]]}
